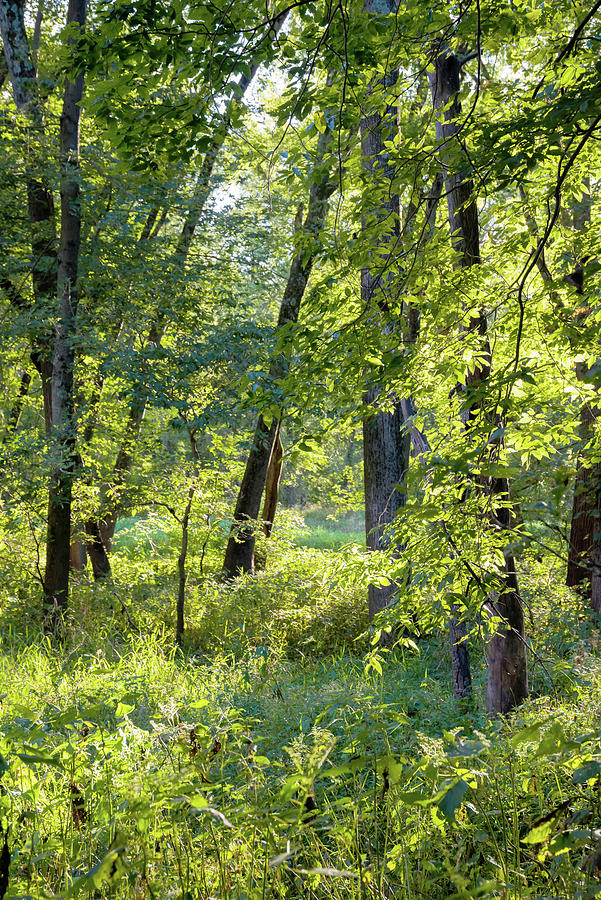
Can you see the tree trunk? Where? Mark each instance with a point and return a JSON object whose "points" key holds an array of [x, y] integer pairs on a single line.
{"points": [[584, 505], [77, 556], [56, 579], [101, 566], [240, 551], [239, 555], [507, 683], [386, 442], [507, 668], [386, 445], [183, 554], [461, 674]]}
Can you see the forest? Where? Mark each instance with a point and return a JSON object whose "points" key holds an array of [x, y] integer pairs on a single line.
{"points": [[300, 533]]}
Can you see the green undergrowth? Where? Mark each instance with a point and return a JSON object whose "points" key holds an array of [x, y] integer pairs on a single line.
{"points": [[272, 757], [329, 530]]}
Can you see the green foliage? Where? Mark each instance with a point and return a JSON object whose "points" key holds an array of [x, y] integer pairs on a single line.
{"points": [[282, 750], [256, 767]]}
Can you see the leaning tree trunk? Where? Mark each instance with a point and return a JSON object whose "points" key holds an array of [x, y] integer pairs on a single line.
{"points": [[507, 668], [386, 441], [240, 551], [56, 578], [40, 205]]}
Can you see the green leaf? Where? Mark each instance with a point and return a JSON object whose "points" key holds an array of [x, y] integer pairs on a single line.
{"points": [[451, 800], [585, 773], [543, 827], [37, 757], [528, 734]]}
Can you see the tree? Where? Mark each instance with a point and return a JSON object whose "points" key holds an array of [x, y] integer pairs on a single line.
{"points": [[386, 440], [58, 541], [239, 555], [40, 204], [507, 664]]}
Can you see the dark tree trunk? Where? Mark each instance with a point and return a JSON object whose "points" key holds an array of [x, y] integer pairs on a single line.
{"points": [[507, 670], [386, 445], [461, 673], [101, 567], [270, 501], [56, 578], [239, 555], [240, 551]]}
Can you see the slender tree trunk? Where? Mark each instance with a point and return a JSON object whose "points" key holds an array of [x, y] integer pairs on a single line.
{"points": [[37, 31], [56, 578], [507, 668], [240, 551], [183, 555], [101, 566]]}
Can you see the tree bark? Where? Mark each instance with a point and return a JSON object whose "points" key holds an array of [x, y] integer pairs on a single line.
{"points": [[240, 551], [56, 578], [386, 445], [507, 667]]}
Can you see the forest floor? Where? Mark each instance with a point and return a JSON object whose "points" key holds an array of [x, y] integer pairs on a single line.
{"points": [[275, 756]]}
